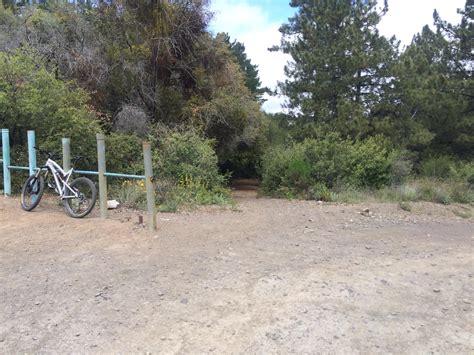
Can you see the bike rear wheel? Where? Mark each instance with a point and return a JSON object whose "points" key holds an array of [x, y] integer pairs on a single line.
{"points": [[82, 205], [31, 192]]}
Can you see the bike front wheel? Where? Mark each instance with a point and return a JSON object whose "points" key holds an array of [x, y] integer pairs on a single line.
{"points": [[80, 203], [31, 192]]}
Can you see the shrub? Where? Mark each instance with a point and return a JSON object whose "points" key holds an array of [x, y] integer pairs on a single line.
{"points": [[124, 153], [404, 206], [402, 167], [313, 167], [461, 192], [439, 167], [131, 194], [187, 154], [463, 172], [33, 98], [371, 162], [189, 193], [187, 172], [408, 193], [320, 192]]}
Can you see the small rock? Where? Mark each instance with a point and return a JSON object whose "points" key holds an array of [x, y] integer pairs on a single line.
{"points": [[247, 272], [368, 247], [37, 303], [437, 290], [466, 301], [161, 294], [78, 334], [112, 204]]}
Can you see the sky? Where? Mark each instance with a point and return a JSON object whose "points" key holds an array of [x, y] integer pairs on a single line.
{"points": [[256, 22]]}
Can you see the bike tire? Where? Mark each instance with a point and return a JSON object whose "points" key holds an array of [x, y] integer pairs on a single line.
{"points": [[26, 191], [68, 202]]}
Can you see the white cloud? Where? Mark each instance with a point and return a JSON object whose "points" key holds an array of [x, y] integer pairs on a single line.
{"points": [[251, 24], [405, 18]]}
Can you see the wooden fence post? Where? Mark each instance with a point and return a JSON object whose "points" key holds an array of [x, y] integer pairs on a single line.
{"points": [[7, 182], [150, 190], [102, 179], [66, 154], [31, 152]]}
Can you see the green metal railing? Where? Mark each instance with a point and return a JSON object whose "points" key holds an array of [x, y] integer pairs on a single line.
{"points": [[101, 171]]}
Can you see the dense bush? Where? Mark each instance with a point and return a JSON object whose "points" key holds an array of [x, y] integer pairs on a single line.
{"points": [[33, 98], [446, 167], [186, 168], [124, 153], [187, 154], [313, 167], [437, 167]]}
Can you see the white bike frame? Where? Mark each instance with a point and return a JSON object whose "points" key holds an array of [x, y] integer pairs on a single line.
{"points": [[60, 177]]}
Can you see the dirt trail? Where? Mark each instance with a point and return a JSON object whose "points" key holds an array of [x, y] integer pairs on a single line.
{"points": [[275, 276]]}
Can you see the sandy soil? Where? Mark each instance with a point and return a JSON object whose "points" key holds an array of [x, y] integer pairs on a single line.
{"points": [[273, 276]]}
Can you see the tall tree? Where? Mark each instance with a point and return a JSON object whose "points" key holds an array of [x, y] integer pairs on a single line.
{"points": [[434, 88], [252, 80], [341, 64]]}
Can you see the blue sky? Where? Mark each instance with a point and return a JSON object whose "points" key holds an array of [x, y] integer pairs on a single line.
{"points": [[256, 23]]}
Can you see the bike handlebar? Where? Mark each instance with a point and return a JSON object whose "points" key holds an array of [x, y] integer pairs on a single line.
{"points": [[57, 155], [49, 154]]}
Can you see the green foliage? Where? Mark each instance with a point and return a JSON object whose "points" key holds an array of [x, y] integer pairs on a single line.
{"points": [[437, 167], [402, 167], [130, 194], [187, 174], [340, 67], [312, 167], [405, 206], [433, 90], [187, 154], [320, 192], [446, 167], [371, 162], [432, 190], [32, 98], [252, 81], [124, 153], [157, 58], [190, 193]]}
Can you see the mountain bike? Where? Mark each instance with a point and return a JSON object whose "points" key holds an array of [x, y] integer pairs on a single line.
{"points": [[78, 196]]}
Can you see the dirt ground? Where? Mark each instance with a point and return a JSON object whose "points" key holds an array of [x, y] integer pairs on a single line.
{"points": [[270, 276]]}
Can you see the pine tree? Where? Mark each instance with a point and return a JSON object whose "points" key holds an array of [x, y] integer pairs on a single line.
{"points": [[434, 88], [252, 80], [341, 65]]}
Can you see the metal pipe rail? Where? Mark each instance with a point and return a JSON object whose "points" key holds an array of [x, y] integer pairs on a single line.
{"points": [[101, 171]]}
